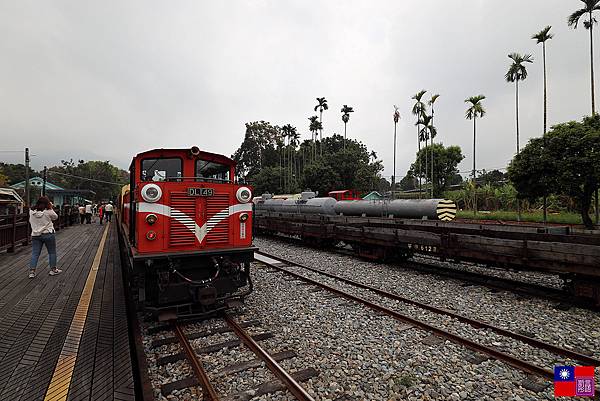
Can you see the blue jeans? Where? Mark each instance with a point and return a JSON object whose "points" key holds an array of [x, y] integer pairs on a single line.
{"points": [[36, 248]]}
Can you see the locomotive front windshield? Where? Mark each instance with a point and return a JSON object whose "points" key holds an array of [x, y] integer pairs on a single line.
{"points": [[207, 170], [162, 169]]}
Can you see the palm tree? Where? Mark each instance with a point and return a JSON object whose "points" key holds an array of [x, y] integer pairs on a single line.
{"points": [[418, 110], [322, 105], [517, 72], [475, 110], [541, 37], [589, 7], [396, 119], [431, 103], [294, 137], [346, 110], [424, 135], [314, 127], [288, 131], [280, 142]]}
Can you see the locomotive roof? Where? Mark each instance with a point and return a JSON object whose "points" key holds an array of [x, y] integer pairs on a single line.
{"points": [[167, 152]]}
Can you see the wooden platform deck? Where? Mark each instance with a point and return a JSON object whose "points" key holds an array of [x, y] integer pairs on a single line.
{"points": [[66, 337]]}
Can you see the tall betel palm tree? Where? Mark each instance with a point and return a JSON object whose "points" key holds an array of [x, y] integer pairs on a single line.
{"points": [[541, 37], [322, 105], [475, 110], [517, 72], [288, 132], [431, 103], [396, 119], [294, 141], [346, 110], [418, 110], [314, 127], [588, 10], [424, 134]]}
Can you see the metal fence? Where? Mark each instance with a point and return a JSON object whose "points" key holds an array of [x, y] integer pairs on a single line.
{"points": [[15, 229]]}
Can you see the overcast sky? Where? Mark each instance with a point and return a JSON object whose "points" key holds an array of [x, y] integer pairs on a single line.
{"points": [[105, 80]]}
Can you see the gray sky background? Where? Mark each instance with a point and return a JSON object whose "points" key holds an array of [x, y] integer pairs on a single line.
{"points": [[105, 80]]}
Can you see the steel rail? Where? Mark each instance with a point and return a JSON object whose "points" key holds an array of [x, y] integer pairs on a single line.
{"points": [[493, 282], [209, 391], [509, 359], [292, 385], [475, 323]]}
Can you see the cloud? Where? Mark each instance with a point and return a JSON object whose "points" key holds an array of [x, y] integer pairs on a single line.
{"points": [[106, 80]]}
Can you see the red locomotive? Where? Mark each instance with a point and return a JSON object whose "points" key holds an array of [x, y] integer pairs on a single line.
{"points": [[187, 232]]}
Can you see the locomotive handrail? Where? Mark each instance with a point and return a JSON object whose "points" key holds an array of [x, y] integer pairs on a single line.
{"points": [[194, 179]]}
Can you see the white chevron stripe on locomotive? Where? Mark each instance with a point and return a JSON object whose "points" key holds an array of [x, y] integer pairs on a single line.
{"points": [[199, 232]]}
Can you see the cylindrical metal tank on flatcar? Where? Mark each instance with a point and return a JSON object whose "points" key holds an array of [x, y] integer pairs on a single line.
{"points": [[441, 209], [303, 206], [433, 209]]}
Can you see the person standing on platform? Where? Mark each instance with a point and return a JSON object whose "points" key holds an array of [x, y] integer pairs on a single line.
{"points": [[81, 214], [101, 212], [42, 233], [108, 211], [88, 213]]}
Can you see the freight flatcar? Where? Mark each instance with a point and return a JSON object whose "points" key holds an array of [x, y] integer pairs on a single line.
{"points": [[186, 232]]}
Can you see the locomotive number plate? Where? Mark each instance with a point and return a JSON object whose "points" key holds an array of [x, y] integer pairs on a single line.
{"points": [[201, 192]]}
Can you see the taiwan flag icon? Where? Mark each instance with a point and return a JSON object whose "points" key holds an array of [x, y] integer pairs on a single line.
{"points": [[571, 381]]}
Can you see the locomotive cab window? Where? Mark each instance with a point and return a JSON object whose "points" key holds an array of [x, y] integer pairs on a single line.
{"points": [[162, 169], [210, 171]]}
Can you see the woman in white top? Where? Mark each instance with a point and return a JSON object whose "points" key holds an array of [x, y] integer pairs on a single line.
{"points": [[41, 217]]}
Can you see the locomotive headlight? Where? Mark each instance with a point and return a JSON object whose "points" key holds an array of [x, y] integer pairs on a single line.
{"points": [[244, 217], [243, 195], [151, 193], [151, 219]]}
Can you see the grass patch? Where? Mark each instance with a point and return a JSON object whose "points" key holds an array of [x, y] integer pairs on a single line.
{"points": [[406, 380], [536, 217]]}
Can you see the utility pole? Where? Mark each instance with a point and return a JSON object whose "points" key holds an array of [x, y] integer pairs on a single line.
{"points": [[27, 176], [45, 177], [396, 118]]}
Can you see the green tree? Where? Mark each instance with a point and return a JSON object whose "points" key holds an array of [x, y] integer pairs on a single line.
{"points": [[588, 10], [568, 164], [3, 179], [475, 110], [517, 72], [267, 180], [320, 177], [101, 177], [321, 106], [15, 172], [408, 182], [541, 37], [346, 110], [446, 166], [258, 149], [494, 178]]}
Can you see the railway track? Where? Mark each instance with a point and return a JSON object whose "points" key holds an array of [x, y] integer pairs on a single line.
{"points": [[285, 380], [560, 296], [283, 265]]}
